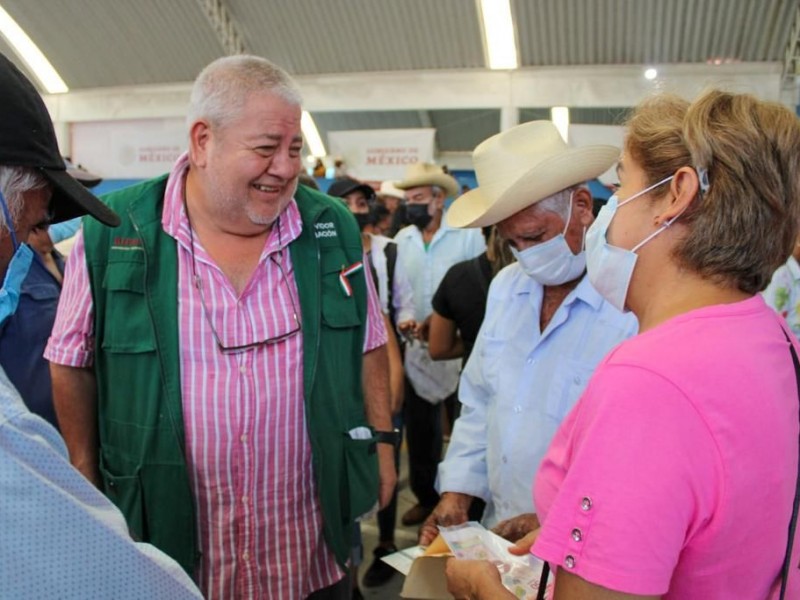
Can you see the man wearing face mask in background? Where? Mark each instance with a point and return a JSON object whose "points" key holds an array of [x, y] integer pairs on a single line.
{"points": [[427, 249], [60, 536], [545, 329]]}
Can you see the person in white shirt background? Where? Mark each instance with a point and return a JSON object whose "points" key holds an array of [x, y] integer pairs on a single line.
{"points": [[545, 329], [427, 249]]}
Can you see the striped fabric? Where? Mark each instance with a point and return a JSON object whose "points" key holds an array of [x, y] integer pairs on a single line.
{"points": [[248, 451]]}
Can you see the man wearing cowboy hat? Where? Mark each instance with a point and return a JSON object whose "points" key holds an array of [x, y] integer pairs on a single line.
{"points": [[427, 249], [545, 327]]}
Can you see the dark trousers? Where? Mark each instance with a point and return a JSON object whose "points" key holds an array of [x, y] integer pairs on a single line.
{"points": [[338, 591], [423, 422]]}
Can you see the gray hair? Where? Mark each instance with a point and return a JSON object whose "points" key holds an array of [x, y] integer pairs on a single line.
{"points": [[559, 202], [222, 88], [14, 183]]}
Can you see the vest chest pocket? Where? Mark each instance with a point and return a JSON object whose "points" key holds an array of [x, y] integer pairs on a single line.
{"points": [[338, 309], [127, 327]]}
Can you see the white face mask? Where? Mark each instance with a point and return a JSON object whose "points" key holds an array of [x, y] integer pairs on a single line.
{"points": [[610, 268], [552, 262]]}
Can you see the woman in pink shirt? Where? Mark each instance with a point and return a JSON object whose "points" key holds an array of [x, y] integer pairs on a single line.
{"points": [[675, 474]]}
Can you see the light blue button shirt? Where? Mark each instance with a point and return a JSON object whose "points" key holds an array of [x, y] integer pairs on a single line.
{"points": [[426, 268], [59, 536], [518, 386]]}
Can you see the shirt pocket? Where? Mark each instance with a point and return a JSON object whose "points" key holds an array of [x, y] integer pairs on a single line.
{"points": [[571, 379], [128, 328], [338, 309], [361, 468]]}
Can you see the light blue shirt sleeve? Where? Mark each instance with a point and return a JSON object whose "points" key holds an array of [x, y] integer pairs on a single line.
{"points": [[59, 536], [64, 230]]}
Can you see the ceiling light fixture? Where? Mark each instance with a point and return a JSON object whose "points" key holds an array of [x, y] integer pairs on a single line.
{"points": [[499, 38], [560, 117], [315, 145], [30, 54], [650, 73]]}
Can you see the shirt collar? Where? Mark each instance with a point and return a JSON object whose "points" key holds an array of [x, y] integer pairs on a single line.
{"points": [[794, 268], [176, 225], [586, 293]]}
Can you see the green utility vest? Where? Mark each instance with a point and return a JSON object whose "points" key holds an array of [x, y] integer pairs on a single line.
{"points": [[133, 272]]}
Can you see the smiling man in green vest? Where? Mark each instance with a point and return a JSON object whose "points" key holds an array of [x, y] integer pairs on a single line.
{"points": [[219, 362]]}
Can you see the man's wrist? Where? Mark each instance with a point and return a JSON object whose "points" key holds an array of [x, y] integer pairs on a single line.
{"points": [[391, 437]]}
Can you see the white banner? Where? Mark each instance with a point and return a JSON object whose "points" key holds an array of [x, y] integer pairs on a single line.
{"points": [[381, 154], [130, 149]]}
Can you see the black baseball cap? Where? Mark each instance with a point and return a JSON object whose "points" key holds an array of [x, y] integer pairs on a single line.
{"points": [[341, 187], [27, 139]]}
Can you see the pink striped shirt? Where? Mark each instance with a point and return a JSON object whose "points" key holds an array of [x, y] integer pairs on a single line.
{"points": [[248, 452]]}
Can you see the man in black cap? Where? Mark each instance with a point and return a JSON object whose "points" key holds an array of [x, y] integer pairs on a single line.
{"points": [[61, 537], [24, 336]]}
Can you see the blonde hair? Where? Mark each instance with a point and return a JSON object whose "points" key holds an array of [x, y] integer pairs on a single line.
{"points": [[745, 225]]}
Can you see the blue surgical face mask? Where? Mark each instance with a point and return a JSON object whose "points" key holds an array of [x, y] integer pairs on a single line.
{"points": [[610, 268], [552, 262], [17, 269]]}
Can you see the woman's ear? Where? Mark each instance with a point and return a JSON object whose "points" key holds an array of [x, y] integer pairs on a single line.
{"points": [[683, 190]]}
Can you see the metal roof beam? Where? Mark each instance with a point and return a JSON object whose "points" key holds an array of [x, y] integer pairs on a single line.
{"points": [[223, 25]]}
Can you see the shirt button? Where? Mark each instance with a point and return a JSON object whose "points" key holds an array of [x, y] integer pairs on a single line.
{"points": [[243, 439], [577, 380], [577, 535], [242, 369], [246, 556], [505, 459], [569, 562], [586, 504], [529, 361], [517, 409], [245, 499]]}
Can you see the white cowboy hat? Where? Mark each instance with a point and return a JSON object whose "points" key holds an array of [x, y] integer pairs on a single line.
{"points": [[521, 166], [422, 173], [389, 189]]}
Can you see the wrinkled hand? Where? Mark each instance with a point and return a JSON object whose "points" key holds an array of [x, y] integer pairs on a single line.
{"points": [[472, 579], [516, 528], [387, 474], [451, 510]]}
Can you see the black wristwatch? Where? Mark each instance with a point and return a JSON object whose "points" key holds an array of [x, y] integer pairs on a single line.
{"points": [[388, 437]]}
